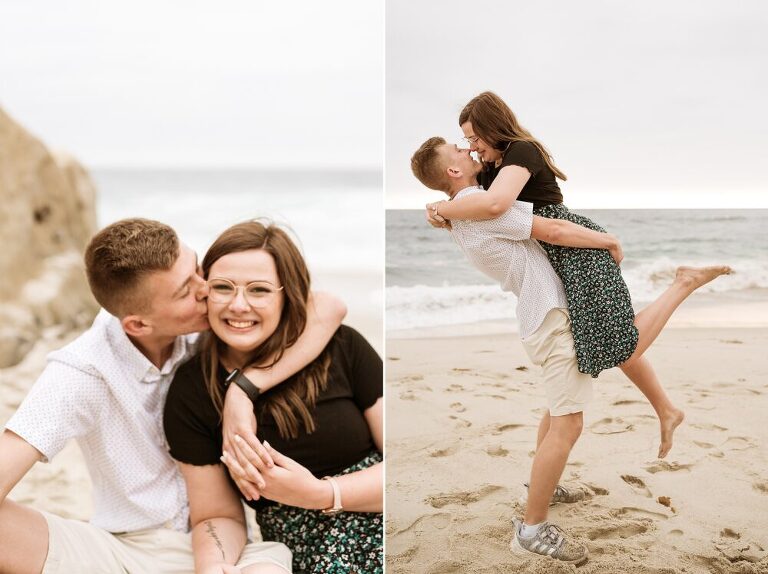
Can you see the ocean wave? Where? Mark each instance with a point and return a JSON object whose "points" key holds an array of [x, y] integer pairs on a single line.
{"points": [[430, 306], [425, 306], [647, 280]]}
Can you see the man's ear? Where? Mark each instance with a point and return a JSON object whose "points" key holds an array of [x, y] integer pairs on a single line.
{"points": [[453, 172], [136, 326]]}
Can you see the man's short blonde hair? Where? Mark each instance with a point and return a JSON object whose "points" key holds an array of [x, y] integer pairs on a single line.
{"points": [[428, 166], [121, 256]]}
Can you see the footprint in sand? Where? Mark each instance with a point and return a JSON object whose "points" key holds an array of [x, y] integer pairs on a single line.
{"points": [[497, 451], [462, 498], [499, 397], [426, 523], [626, 402], [393, 358], [412, 378], [664, 466], [639, 513], [637, 485], [460, 422], [498, 429], [738, 443], [610, 426], [408, 396], [460, 370], [599, 490], [626, 530], [708, 427], [702, 444], [454, 388], [441, 452], [731, 545], [458, 407], [761, 487]]}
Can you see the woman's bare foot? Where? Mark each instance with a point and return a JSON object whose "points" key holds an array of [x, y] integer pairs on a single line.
{"points": [[668, 424], [695, 277]]}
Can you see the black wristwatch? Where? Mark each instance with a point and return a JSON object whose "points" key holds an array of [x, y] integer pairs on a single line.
{"points": [[242, 381]]}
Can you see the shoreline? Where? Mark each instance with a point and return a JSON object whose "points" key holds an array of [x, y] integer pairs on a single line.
{"points": [[748, 310]]}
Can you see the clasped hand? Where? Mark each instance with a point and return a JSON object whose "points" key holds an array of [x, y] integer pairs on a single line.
{"points": [[286, 481], [434, 218]]}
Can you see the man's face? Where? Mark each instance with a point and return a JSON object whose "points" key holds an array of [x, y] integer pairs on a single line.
{"points": [[484, 151], [177, 297], [459, 159]]}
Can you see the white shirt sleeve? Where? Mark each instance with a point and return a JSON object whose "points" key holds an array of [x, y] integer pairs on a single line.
{"points": [[64, 403]]}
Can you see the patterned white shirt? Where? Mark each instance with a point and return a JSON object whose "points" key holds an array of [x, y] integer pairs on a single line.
{"points": [[502, 248], [101, 391]]}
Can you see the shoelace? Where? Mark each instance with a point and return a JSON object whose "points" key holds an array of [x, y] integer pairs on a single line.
{"points": [[561, 491], [552, 534]]}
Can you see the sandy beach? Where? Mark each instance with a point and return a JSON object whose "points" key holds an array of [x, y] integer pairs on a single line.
{"points": [[462, 413]]}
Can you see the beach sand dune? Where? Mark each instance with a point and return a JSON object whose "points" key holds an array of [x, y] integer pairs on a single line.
{"points": [[462, 415]]}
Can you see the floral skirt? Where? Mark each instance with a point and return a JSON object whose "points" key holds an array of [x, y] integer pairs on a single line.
{"points": [[344, 543], [599, 304]]}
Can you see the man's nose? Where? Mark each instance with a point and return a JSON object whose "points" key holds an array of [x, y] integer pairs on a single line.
{"points": [[202, 289]]}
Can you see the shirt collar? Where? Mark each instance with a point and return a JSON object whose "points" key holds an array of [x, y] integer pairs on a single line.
{"points": [[135, 363]]}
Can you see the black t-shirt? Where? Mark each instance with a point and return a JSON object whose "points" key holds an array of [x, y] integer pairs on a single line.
{"points": [[341, 437], [541, 188]]}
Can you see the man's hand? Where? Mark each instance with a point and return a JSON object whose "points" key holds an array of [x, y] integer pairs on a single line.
{"points": [[239, 420]]}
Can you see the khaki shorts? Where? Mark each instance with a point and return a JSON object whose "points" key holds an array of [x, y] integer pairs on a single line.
{"points": [[551, 347], [76, 546]]}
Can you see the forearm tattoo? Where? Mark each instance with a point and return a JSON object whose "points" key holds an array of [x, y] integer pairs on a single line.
{"points": [[212, 531]]}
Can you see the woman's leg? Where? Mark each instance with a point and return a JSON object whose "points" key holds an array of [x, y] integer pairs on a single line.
{"points": [[649, 322], [640, 372], [652, 319]]}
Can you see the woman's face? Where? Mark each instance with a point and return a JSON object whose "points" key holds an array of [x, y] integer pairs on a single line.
{"points": [[485, 151], [251, 315]]}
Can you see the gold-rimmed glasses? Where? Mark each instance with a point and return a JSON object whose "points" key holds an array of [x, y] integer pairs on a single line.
{"points": [[258, 294]]}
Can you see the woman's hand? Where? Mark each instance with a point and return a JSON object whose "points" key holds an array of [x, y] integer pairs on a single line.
{"points": [[287, 482], [240, 421], [434, 218], [615, 250]]}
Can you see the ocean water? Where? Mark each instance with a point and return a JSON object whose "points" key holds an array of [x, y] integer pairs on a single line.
{"points": [[336, 216], [430, 283]]}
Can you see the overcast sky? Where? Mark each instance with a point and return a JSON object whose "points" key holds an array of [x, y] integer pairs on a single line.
{"points": [[642, 104], [190, 83]]}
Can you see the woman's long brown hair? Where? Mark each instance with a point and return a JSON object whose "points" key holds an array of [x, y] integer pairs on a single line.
{"points": [[493, 122], [291, 402]]}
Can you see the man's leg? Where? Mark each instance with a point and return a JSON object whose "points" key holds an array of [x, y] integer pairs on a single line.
{"points": [[543, 429], [549, 462], [23, 539]]}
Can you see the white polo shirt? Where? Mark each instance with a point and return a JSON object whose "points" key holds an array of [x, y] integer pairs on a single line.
{"points": [[102, 391], [502, 248]]}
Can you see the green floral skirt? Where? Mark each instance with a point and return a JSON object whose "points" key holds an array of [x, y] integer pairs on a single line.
{"points": [[344, 543], [602, 317]]}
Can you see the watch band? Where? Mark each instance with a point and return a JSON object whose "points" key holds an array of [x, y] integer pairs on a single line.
{"points": [[237, 377], [336, 508]]}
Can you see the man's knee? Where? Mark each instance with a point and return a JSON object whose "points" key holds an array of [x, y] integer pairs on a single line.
{"points": [[569, 426]]}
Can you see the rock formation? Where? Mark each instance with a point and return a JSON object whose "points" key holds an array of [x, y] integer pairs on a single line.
{"points": [[46, 218]]}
